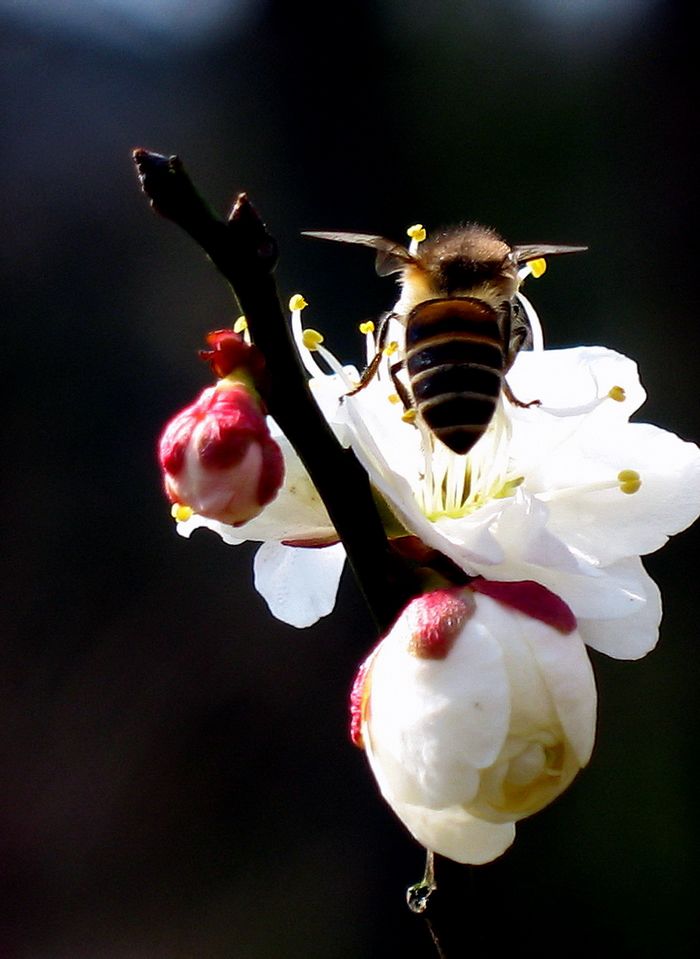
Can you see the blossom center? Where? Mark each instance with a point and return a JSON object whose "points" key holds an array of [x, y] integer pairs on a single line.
{"points": [[454, 485], [444, 484], [529, 774], [533, 775]]}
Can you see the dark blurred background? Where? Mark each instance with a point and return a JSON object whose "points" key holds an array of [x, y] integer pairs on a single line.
{"points": [[176, 776]]}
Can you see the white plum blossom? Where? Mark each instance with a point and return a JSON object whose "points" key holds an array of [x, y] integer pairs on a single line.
{"points": [[473, 716], [567, 493]]}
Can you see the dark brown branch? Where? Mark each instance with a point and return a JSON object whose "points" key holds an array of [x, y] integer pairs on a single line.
{"points": [[246, 255]]}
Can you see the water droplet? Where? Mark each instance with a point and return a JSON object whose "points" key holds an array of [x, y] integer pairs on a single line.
{"points": [[417, 896]]}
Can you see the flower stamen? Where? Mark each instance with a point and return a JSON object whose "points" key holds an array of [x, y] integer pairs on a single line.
{"points": [[311, 339], [181, 513], [417, 234], [336, 367], [617, 393], [630, 481], [627, 481], [455, 485], [367, 330], [297, 303], [538, 267], [241, 326]]}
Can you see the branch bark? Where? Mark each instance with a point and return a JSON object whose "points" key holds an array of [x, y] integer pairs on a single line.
{"points": [[246, 255]]}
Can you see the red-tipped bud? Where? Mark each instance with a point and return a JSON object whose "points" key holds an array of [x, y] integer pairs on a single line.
{"points": [[229, 352], [218, 457]]}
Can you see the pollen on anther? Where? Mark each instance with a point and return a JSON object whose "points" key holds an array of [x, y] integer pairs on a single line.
{"points": [[367, 327], [312, 339], [297, 302], [416, 232], [617, 393], [629, 480], [241, 325], [537, 267], [409, 416], [391, 348], [180, 512]]}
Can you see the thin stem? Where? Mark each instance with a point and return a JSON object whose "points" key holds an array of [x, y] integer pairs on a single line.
{"points": [[417, 896], [246, 255]]}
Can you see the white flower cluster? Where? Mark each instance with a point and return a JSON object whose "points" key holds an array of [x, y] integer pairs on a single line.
{"points": [[567, 494]]}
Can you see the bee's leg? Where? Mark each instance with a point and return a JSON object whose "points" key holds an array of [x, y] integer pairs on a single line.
{"points": [[369, 372], [401, 390], [510, 396], [520, 333], [518, 336]]}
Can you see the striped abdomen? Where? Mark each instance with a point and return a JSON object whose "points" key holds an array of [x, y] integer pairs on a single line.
{"points": [[455, 358]]}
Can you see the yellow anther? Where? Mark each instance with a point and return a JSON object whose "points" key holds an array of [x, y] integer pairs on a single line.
{"points": [[409, 416], [417, 232], [311, 339], [626, 476], [537, 267], [180, 512], [297, 302], [241, 325], [394, 398], [367, 327], [391, 348], [617, 393], [629, 481]]}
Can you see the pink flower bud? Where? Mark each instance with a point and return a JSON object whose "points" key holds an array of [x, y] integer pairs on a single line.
{"points": [[218, 457]]}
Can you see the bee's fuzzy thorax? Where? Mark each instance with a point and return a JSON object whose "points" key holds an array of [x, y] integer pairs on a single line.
{"points": [[469, 260], [416, 286], [471, 242]]}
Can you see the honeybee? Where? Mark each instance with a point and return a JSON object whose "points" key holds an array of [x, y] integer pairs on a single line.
{"points": [[464, 324]]}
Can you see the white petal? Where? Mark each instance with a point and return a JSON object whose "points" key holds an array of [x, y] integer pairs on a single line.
{"points": [[229, 534], [434, 722], [522, 530], [468, 540], [299, 585], [592, 592], [567, 671], [608, 525], [635, 635], [574, 377], [456, 834]]}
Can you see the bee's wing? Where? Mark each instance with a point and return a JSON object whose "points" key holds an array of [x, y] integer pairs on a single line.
{"points": [[524, 253], [391, 257]]}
